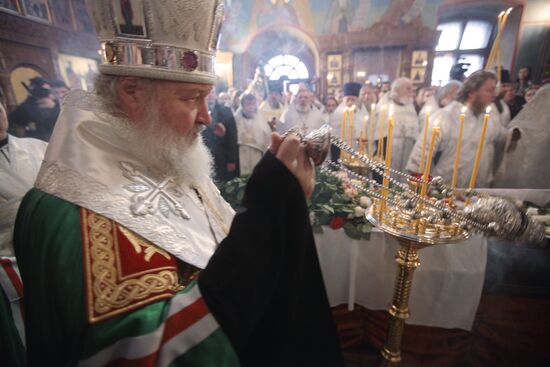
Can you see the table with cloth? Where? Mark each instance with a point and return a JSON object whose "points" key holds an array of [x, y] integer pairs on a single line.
{"points": [[447, 288]]}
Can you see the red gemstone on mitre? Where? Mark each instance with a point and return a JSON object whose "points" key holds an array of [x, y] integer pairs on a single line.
{"points": [[189, 61]]}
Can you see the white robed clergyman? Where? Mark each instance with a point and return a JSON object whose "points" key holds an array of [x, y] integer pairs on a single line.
{"points": [[253, 134], [20, 160], [526, 163]]}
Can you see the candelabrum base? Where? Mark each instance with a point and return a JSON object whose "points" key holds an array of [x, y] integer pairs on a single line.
{"points": [[411, 238]]}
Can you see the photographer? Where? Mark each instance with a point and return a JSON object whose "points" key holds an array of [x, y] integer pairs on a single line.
{"points": [[458, 71], [36, 116]]}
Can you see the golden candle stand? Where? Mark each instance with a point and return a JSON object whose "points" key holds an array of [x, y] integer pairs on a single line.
{"points": [[412, 234], [418, 221]]}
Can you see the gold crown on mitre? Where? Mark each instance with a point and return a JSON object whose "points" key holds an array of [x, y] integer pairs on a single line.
{"points": [[158, 39]]}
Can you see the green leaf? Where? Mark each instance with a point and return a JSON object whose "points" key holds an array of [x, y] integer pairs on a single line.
{"points": [[352, 231], [366, 228]]}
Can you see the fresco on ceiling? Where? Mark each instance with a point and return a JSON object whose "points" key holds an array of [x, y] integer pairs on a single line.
{"points": [[236, 27], [245, 18], [337, 16], [268, 14]]}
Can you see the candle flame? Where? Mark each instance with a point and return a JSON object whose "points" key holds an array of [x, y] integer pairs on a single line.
{"points": [[509, 11], [464, 109], [373, 106], [501, 14], [488, 110], [428, 108], [391, 110], [383, 107]]}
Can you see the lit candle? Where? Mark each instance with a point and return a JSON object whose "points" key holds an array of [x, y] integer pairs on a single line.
{"points": [[351, 125], [382, 122], [386, 181], [479, 150], [344, 118], [363, 136], [435, 133], [343, 136], [371, 129], [424, 137], [458, 146]]}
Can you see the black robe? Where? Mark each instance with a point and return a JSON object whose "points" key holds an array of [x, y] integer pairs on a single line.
{"points": [[224, 149], [264, 283]]}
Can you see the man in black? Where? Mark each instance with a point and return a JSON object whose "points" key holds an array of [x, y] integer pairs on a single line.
{"points": [[36, 116], [221, 139], [508, 94]]}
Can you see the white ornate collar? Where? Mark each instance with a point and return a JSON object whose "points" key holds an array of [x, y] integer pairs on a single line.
{"points": [[86, 164]]}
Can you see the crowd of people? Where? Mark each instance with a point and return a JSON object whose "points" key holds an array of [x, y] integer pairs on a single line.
{"points": [[244, 119], [258, 112]]}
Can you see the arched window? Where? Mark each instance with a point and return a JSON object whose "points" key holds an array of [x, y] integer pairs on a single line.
{"points": [[463, 41], [286, 67]]}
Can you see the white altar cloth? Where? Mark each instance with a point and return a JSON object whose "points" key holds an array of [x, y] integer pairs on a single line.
{"points": [[446, 288]]}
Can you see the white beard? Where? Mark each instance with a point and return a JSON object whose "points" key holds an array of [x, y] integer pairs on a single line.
{"points": [[164, 153], [303, 109], [404, 101]]}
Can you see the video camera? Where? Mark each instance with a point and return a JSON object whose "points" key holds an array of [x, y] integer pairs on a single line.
{"points": [[458, 70], [36, 88]]}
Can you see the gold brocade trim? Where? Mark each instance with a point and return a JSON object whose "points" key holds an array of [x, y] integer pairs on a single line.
{"points": [[107, 294], [139, 242], [213, 210]]}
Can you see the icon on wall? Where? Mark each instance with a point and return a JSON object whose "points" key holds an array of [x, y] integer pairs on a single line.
{"points": [[10, 5], [334, 62], [334, 77], [129, 18], [418, 75], [78, 72], [419, 59], [37, 9], [61, 13]]}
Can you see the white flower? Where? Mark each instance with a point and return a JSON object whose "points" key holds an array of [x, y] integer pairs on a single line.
{"points": [[532, 211], [312, 218], [342, 175], [350, 192], [359, 212], [365, 201]]}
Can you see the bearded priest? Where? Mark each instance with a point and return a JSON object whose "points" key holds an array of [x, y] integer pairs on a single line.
{"points": [[476, 93], [405, 132], [128, 254]]}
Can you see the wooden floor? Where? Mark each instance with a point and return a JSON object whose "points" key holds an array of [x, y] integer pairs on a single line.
{"points": [[508, 331]]}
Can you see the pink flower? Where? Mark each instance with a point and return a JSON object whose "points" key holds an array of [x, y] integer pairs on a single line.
{"points": [[342, 175], [350, 192]]}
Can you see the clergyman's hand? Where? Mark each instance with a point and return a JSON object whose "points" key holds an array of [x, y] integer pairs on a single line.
{"points": [[293, 155], [219, 130]]}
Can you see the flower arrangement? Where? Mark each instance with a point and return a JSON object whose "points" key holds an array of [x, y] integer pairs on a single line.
{"points": [[337, 204], [333, 203]]}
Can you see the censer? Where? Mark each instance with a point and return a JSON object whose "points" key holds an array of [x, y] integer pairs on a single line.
{"points": [[418, 220]]}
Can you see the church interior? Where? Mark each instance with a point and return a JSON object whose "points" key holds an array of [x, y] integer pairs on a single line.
{"points": [[361, 66]]}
